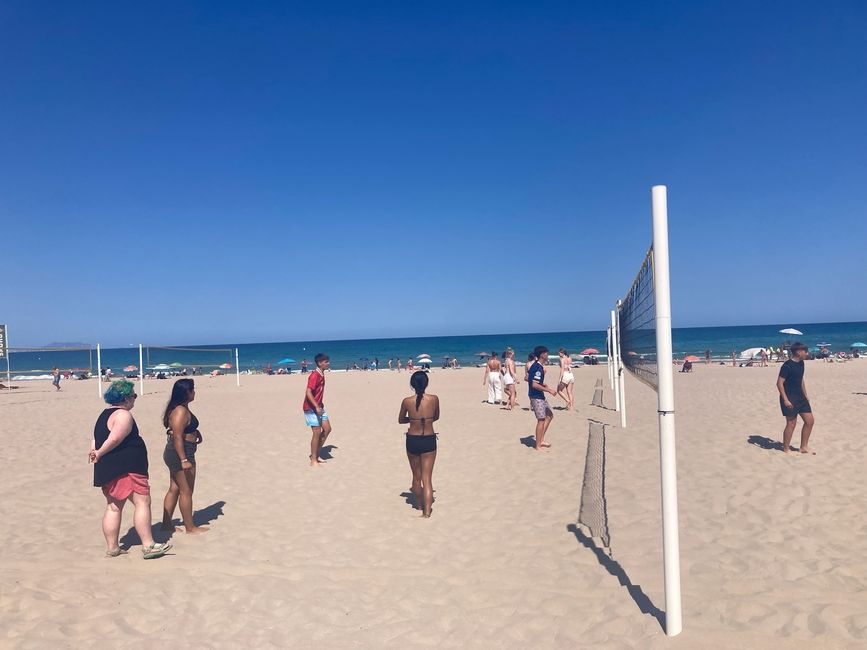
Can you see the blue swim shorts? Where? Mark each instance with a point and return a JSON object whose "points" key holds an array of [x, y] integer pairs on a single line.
{"points": [[315, 420]]}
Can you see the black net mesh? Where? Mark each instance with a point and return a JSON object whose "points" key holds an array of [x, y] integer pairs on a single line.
{"points": [[637, 321], [593, 513]]}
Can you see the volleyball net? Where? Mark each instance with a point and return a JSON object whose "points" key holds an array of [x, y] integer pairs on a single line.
{"points": [[27, 363], [641, 338]]}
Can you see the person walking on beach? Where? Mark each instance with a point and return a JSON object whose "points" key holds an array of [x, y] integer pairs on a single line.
{"points": [[55, 377], [510, 374], [182, 440], [536, 392], [794, 400], [492, 378], [303, 366], [398, 364], [707, 357], [567, 379], [420, 411], [120, 468], [315, 414]]}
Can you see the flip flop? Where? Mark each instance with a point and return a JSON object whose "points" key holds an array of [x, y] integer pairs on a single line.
{"points": [[155, 550], [116, 552]]}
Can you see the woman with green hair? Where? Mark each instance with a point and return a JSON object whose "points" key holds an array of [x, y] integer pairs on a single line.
{"points": [[120, 468]]}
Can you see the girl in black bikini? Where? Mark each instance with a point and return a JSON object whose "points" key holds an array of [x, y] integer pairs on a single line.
{"points": [[182, 439], [420, 412]]}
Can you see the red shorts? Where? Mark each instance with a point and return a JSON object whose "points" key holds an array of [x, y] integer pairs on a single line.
{"points": [[123, 486]]}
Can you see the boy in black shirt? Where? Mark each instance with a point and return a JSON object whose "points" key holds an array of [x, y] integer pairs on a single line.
{"points": [[793, 398]]}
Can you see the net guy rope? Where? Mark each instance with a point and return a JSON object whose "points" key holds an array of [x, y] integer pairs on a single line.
{"points": [[642, 345]]}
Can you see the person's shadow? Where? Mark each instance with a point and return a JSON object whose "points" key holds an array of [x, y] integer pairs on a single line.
{"points": [[201, 517], [613, 567], [325, 452], [765, 443], [529, 441]]}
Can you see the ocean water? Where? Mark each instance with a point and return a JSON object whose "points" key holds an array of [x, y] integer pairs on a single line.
{"points": [[693, 340]]}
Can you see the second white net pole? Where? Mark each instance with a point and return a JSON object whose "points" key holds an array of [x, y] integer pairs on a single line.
{"points": [[621, 375], [667, 456], [140, 370]]}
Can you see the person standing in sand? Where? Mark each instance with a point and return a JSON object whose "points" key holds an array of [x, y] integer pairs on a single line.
{"points": [[55, 377], [707, 357], [492, 379], [120, 468], [794, 400], [315, 414], [510, 374], [398, 364], [182, 440], [536, 392], [531, 358], [567, 379], [420, 411]]}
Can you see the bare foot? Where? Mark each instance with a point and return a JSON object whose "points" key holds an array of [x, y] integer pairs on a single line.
{"points": [[198, 530], [807, 450], [545, 444]]}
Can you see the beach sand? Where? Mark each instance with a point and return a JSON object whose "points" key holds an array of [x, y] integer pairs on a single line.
{"points": [[773, 547]]}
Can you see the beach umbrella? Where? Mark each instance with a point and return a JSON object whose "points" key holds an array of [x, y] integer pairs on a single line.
{"points": [[161, 366], [225, 366], [590, 351], [422, 356], [691, 358], [824, 345], [445, 356], [482, 354], [859, 344], [130, 369], [176, 365], [750, 353], [791, 330], [286, 360]]}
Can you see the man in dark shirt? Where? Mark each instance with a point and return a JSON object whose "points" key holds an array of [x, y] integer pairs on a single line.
{"points": [[793, 398], [536, 392]]}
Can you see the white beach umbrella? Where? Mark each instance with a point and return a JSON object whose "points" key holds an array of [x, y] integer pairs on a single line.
{"points": [[791, 330], [750, 353]]}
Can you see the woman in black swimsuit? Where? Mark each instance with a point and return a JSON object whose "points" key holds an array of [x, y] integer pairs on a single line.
{"points": [[182, 439], [420, 412]]}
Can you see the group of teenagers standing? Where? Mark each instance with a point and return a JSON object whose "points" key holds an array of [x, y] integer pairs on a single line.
{"points": [[501, 376], [120, 460]]}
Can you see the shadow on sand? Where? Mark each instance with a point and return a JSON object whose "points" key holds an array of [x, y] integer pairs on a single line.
{"points": [[529, 441], [613, 567], [765, 443], [201, 517], [325, 452]]}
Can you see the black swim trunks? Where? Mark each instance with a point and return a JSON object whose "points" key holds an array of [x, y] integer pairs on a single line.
{"points": [[418, 445], [798, 406]]}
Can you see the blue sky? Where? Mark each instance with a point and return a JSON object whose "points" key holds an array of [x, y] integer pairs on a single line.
{"points": [[214, 171]]}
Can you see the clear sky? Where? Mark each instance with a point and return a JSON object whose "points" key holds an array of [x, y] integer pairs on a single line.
{"points": [[182, 172]]}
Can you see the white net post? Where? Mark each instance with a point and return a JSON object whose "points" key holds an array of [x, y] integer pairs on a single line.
{"points": [[8, 362], [667, 457], [237, 369], [620, 377], [610, 359], [614, 363], [140, 370], [99, 369]]}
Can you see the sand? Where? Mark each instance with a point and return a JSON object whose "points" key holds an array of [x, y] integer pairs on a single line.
{"points": [[773, 547]]}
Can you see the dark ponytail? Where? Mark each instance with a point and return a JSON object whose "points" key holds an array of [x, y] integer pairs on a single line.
{"points": [[418, 381]]}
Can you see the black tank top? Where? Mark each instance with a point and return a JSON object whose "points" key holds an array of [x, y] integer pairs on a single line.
{"points": [[129, 457]]}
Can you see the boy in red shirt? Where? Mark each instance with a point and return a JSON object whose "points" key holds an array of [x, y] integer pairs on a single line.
{"points": [[314, 408]]}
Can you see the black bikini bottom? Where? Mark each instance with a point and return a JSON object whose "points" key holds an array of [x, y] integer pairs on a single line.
{"points": [[418, 445]]}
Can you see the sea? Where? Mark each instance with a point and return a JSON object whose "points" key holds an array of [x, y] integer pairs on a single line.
{"points": [[347, 354]]}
